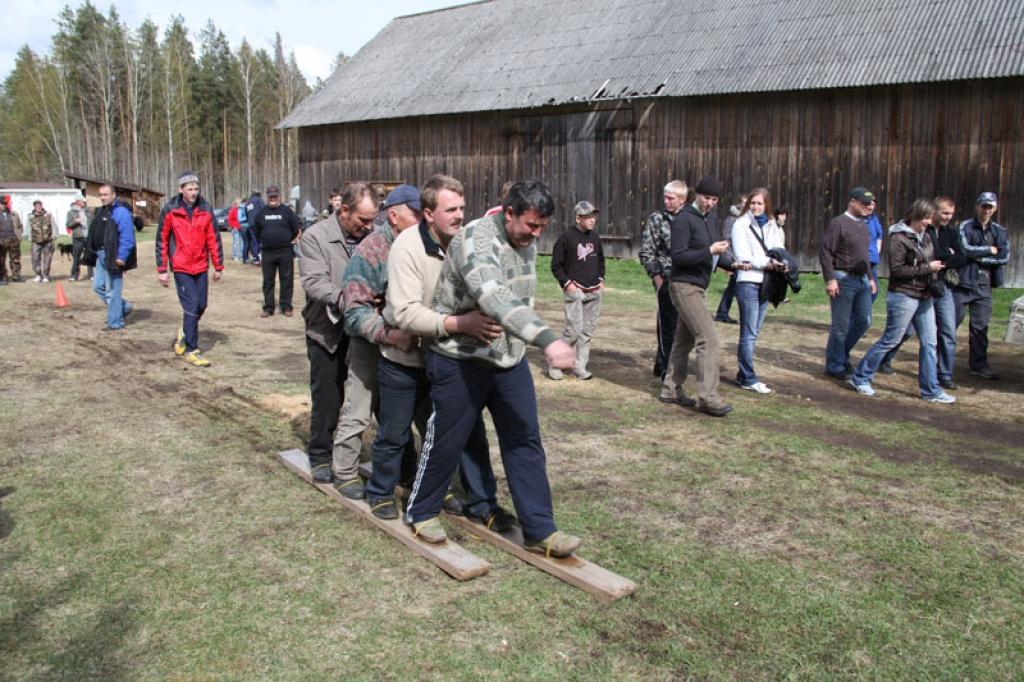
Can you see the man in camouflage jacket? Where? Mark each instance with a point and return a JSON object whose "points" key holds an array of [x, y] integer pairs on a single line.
{"points": [[44, 228], [655, 256], [10, 242]]}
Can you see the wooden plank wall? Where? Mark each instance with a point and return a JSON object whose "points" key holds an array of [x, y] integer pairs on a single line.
{"points": [[808, 147]]}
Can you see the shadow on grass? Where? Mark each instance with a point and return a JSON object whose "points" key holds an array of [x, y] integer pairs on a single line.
{"points": [[6, 520]]}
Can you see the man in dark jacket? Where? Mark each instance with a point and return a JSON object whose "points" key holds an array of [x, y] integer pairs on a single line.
{"points": [[697, 249], [188, 240], [577, 262], [253, 205], [985, 245], [276, 228], [112, 239], [77, 224], [10, 242]]}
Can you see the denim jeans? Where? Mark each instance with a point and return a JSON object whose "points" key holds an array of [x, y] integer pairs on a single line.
{"points": [[752, 312], [237, 244], [851, 317], [945, 325], [902, 311], [109, 286]]}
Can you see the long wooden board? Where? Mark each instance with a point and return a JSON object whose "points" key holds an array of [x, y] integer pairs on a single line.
{"points": [[574, 570], [449, 556]]}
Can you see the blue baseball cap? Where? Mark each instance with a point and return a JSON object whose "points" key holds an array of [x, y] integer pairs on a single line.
{"points": [[988, 198], [404, 194]]}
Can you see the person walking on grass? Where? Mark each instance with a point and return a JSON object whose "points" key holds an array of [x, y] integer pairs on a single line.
{"points": [[656, 258], [10, 242], [912, 284], [577, 262], [325, 249], [188, 241], [276, 228], [490, 265], [754, 234], [112, 239], [77, 224], [846, 267], [43, 231]]}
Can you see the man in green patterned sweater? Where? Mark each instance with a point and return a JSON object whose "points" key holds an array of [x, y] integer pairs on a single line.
{"points": [[491, 266]]}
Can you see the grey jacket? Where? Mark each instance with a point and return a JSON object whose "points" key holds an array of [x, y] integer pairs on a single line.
{"points": [[321, 266]]}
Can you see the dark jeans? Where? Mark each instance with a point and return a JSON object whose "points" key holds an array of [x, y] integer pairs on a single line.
{"points": [[668, 318], [77, 247], [327, 374], [404, 398], [851, 318], [460, 390], [727, 296], [752, 312], [251, 246], [979, 302], [192, 294], [279, 262]]}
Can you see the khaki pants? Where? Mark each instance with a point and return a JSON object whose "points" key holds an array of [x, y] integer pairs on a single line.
{"points": [[42, 256], [581, 313], [694, 331], [360, 403]]}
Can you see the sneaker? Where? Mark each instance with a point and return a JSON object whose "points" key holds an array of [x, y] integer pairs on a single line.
{"points": [[72, 279], [885, 368], [757, 387], [430, 530], [555, 374], [984, 373], [353, 488], [558, 545], [46, 280], [128, 309], [497, 520], [196, 358], [384, 509], [322, 473], [943, 398], [863, 389], [716, 410], [584, 375], [452, 505], [179, 345], [37, 279], [948, 384]]}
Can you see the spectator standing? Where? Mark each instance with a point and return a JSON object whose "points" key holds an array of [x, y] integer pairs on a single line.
{"points": [[725, 304], [187, 242], [912, 268], [77, 224], [252, 245], [309, 215], [10, 243], [875, 235], [276, 228], [577, 262], [986, 247], [43, 230], [846, 267], [235, 225], [754, 234], [656, 258], [112, 239]]}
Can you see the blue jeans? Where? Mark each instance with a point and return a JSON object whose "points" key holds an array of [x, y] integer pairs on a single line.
{"points": [[752, 312], [109, 286], [237, 244], [851, 317], [404, 398], [461, 389], [945, 324], [902, 311]]}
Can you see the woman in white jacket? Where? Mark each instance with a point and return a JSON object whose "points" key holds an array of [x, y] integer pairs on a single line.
{"points": [[753, 234]]}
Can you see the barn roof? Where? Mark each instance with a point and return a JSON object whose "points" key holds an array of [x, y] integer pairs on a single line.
{"points": [[520, 54]]}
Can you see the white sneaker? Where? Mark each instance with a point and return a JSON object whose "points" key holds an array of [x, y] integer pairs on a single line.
{"points": [[555, 374], [46, 280], [943, 398], [37, 279], [757, 387], [863, 389]]}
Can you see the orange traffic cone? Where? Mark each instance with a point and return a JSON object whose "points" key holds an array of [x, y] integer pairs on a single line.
{"points": [[62, 300]]}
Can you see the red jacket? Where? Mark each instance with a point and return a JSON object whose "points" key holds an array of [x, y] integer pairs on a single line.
{"points": [[188, 242], [233, 218]]}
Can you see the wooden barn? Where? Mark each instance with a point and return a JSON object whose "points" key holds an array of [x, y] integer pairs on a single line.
{"points": [[607, 100], [144, 202]]}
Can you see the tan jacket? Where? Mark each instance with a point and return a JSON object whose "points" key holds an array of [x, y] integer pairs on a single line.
{"points": [[414, 267], [321, 266]]}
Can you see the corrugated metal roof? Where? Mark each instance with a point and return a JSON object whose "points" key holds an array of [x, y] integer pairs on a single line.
{"points": [[519, 54]]}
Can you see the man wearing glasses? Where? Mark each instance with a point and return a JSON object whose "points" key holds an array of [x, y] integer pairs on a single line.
{"points": [[985, 244]]}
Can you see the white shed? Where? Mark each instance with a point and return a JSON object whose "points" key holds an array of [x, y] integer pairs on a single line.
{"points": [[56, 199]]}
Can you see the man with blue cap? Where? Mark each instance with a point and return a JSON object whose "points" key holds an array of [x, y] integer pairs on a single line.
{"points": [[985, 244]]}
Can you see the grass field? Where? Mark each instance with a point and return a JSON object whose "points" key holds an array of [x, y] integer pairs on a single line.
{"points": [[147, 530]]}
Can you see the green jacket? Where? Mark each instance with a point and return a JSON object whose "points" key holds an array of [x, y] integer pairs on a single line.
{"points": [[43, 227]]}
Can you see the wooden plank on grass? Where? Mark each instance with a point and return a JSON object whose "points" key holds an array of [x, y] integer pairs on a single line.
{"points": [[574, 570], [449, 556]]}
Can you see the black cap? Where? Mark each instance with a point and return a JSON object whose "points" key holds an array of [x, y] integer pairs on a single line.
{"points": [[709, 186], [862, 194], [273, 191]]}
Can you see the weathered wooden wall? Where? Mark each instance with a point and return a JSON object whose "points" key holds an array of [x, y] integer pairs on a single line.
{"points": [[809, 148]]}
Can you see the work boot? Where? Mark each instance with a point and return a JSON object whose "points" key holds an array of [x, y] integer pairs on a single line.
{"points": [[353, 488], [497, 519], [558, 545], [714, 409], [452, 505], [322, 473], [383, 508]]}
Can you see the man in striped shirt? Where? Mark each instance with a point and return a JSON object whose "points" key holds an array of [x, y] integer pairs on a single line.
{"points": [[490, 265]]}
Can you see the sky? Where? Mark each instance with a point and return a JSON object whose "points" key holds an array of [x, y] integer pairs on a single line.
{"points": [[316, 30]]}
